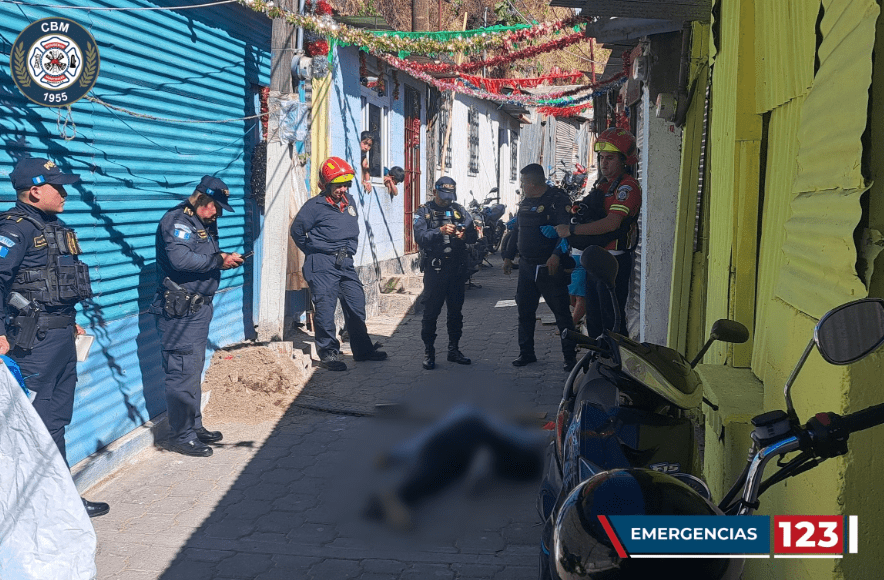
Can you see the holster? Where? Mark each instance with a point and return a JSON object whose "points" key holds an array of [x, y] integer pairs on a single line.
{"points": [[178, 302], [23, 331]]}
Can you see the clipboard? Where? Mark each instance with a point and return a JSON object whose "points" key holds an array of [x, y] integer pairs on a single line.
{"points": [[83, 343]]}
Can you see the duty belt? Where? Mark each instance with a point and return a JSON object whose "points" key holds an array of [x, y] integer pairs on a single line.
{"points": [[53, 321]]}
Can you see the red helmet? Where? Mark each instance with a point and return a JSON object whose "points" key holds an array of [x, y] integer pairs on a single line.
{"points": [[335, 170], [620, 141]]}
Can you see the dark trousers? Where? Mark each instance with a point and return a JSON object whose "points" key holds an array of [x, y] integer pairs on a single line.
{"points": [[184, 343], [444, 286], [532, 285], [327, 285], [599, 312], [50, 370]]}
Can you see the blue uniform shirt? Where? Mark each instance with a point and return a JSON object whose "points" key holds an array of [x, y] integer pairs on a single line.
{"points": [[18, 250], [427, 226], [188, 251], [321, 227]]}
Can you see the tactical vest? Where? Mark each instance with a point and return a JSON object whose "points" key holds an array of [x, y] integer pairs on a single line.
{"points": [[453, 214], [593, 209], [64, 280]]}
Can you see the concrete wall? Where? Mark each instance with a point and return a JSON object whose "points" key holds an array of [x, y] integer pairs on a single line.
{"points": [[660, 159]]}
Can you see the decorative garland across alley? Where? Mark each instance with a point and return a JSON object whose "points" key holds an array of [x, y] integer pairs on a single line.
{"points": [[467, 42], [495, 85]]}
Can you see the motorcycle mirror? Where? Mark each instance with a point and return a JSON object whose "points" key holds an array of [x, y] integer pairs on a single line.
{"points": [[494, 190], [851, 331], [729, 331], [725, 331], [843, 335], [600, 264]]}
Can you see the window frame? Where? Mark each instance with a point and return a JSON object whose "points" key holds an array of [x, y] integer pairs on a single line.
{"points": [[473, 132], [381, 147]]}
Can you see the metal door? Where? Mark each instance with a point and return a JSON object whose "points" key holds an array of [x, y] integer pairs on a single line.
{"points": [[412, 168]]}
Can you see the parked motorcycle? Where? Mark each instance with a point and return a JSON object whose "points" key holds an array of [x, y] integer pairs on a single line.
{"points": [[622, 429], [573, 182], [493, 226]]}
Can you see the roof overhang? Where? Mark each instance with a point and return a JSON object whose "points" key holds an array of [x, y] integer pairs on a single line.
{"points": [[616, 30], [699, 10]]}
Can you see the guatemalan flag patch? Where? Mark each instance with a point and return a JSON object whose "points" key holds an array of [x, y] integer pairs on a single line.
{"points": [[182, 234], [3, 251]]}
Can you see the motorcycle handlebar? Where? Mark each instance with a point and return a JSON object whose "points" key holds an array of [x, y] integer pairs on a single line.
{"points": [[864, 419]]}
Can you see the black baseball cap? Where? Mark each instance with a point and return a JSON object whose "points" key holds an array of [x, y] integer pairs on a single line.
{"points": [[216, 189], [446, 188], [33, 171]]}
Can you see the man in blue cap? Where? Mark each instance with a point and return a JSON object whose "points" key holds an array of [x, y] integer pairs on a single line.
{"points": [[442, 229], [40, 266], [189, 264]]}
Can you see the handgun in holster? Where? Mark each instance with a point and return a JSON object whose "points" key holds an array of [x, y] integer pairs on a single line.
{"points": [[23, 329], [178, 302], [340, 256]]}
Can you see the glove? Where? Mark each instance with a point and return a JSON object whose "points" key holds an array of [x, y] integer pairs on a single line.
{"points": [[548, 232]]}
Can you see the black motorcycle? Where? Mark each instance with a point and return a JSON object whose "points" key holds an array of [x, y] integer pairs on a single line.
{"points": [[625, 405], [493, 227], [613, 455], [573, 182]]}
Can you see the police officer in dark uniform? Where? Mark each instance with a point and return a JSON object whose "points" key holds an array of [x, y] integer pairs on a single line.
{"points": [[442, 229], [189, 264], [326, 229], [541, 271], [41, 280]]}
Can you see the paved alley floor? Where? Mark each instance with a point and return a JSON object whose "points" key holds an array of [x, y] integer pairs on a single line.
{"points": [[284, 499]]}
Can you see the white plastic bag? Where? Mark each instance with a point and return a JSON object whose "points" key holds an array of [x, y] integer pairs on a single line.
{"points": [[44, 530], [293, 120]]}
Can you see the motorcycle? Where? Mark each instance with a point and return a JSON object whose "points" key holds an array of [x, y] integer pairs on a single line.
{"points": [[622, 426], [493, 226], [573, 182]]}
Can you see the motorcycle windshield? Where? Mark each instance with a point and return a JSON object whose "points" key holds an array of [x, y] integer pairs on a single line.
{"points": [[663, 370]]}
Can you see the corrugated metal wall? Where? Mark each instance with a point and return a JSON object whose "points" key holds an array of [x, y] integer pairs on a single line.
{"points": [[785, 50], [195, 64]]}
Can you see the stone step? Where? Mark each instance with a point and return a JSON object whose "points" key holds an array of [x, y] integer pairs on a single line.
{"points": [[401, 284], [405, 302]]}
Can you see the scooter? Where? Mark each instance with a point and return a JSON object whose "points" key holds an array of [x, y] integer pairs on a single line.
{"points": [[624, 405], [575, 546]]}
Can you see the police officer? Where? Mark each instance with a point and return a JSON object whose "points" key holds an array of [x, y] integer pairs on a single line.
{"points": [[39, 264], [442, 229], [326, 229], [607, 217], [540, 257], [189, 264]]}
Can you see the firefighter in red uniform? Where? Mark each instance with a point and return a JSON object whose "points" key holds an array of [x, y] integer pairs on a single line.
{"points": [[607, 217]]}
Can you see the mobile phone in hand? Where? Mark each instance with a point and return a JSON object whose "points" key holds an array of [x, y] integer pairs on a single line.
{"points": [[247, 255]]}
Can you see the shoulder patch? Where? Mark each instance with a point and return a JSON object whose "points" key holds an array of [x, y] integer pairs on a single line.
{"points": [[185, 227], [40, 241], [6, 241], [182, 235], [202, 234], [623, 192]]}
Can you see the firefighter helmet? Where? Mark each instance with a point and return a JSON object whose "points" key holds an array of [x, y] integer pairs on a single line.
{"points": [[620, 141], [335, 170]]}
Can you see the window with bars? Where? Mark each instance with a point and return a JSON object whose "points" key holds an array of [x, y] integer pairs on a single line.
{"points": [[514, 156], [445, 105], [473, 120]]}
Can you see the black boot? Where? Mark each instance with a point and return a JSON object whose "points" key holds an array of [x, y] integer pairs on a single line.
{"points": [[455, 356], [430, 360]]}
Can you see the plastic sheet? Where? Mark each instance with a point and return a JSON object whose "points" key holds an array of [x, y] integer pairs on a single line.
{"points": [[44, 530]]}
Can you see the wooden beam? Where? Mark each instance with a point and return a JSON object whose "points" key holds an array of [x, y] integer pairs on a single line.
{"points": [[697, 10]]}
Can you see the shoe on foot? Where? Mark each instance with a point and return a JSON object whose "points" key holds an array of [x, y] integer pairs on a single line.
{"points": [[569, 364], [207, 436], [332, 361], [95, 508], [455, 356], [524, 359], [373, 355], [194, 448], [387, 506]]}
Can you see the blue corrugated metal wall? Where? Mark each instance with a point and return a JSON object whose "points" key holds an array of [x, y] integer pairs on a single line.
{"points": [[190, 64]]}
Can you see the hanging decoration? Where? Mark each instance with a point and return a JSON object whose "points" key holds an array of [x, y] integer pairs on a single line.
{"points": [[495, 85], [505, 58], [320, 21]]}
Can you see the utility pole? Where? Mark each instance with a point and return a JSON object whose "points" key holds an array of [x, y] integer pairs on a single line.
{"points": [[279, 192], [420, 15]]}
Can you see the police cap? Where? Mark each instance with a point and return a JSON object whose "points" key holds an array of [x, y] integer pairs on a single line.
{"points": [[216, 189], [446, 188], [33, 171]]}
